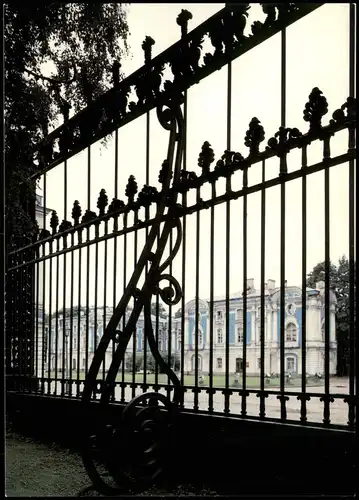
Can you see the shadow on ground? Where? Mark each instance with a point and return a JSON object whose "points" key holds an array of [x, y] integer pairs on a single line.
{"points": [[37, 470]]}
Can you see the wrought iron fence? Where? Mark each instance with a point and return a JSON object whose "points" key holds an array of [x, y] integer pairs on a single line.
{"points": [[117, 351]]}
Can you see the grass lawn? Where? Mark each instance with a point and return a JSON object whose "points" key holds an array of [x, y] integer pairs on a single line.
{"points": [[189, 380]]}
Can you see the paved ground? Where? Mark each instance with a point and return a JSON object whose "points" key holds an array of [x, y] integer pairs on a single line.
{"points": [[338, 409], [35, 470]]}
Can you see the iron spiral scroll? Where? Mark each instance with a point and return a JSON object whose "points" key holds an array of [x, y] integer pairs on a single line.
{"points": [[133, 451]]}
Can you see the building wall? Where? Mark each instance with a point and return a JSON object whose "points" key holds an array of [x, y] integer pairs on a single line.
{"points": [[199, 334]]}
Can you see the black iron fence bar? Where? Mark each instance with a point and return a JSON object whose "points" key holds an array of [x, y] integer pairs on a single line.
{"points": [[198, 232], [263, 291], [170, 360], [228, 224], [304, 397], [45, 337], [327, 328], [72, 336], [115, 227], [66, 365], [282, 236], [36, 306], [105, 296], [352, 253], [88, 258], [87, 300], [64, 329], [204, 204], [51, 333], [211, 304], [184, 243], [147, 216], [57, 314], [123, 292], [134, 334], [109, 101], [245, 291], [79, 336], [334, 126]]}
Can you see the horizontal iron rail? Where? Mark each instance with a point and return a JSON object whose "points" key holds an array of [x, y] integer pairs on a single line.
{"points": [[233, 195], [109, 100], [297, 423]]}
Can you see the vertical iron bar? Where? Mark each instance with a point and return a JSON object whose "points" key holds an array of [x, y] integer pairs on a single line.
{"points": [[36, 353], [72, 313], [44, 346], [262, 298], [304, 398], [50, 320], [352, 256], [147, 215], [244, 365], [211, 299], [198, 229], [326, 413], [123, 391], [228, 223], [184, 203], [282, 235], [57, 315], [169, 324], [88, 259], [64, 332], [115, 247], [135, 330], [79, 327], [96, 297], [105, 297]]}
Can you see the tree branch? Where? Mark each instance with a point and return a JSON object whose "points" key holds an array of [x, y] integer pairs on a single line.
{"points": [[53, 80]]}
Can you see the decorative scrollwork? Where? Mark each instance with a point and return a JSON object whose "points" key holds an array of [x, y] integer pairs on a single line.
{"points": [[170, 117], [170, 296]]}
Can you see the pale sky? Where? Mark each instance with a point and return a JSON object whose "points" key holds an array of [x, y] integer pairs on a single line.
{"points": [[317, 56]]}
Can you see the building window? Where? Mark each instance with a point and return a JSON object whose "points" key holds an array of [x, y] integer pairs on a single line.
{"points": [[200, 337], [74, 364], [199, 364], [75, 340], [219, 362], [291, 333], [239, 318], [259, 363], [290, 364], [219, 315], [219, 336]]}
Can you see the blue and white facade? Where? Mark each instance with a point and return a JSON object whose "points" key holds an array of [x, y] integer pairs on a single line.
{"points": [[199, 332], [272, 319]]}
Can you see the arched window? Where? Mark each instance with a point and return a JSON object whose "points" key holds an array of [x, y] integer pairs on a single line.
{"points": [[291, 333], [290, 365], [194, 363], [220, 336], [219, 362]]}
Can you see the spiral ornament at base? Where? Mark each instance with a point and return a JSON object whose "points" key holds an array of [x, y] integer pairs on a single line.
{"points": [[133, 455]]}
